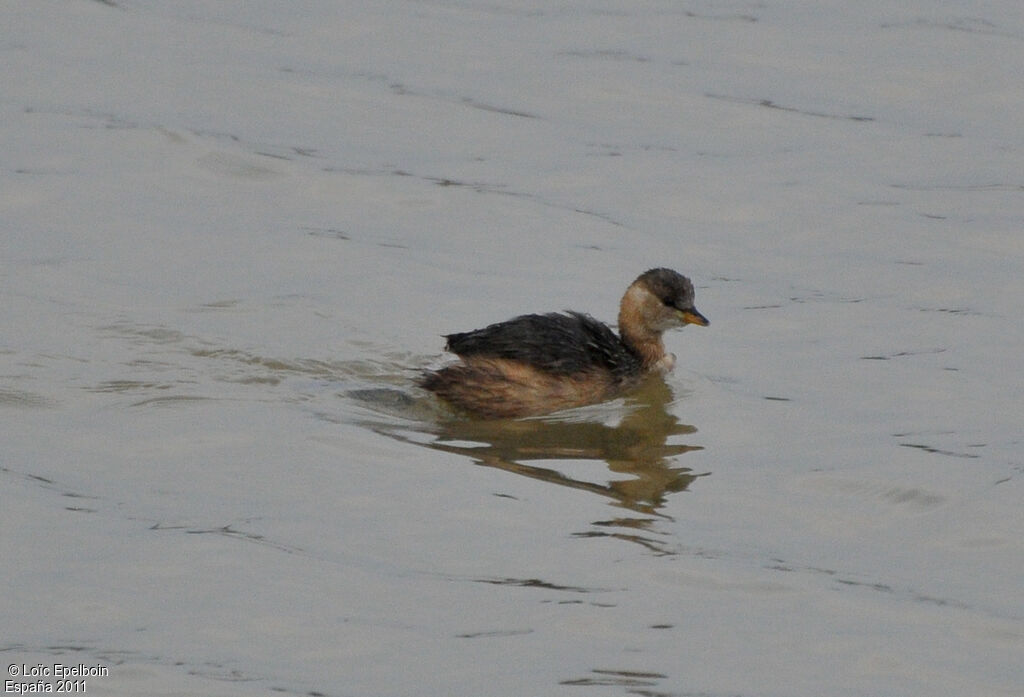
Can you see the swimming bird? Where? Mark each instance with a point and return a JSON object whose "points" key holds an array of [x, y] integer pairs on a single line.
{"points": [[540, 363]]}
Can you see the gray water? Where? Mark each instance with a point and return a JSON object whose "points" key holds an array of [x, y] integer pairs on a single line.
{"points": [[233, 233]]}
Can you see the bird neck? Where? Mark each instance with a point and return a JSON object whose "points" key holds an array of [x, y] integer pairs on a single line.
{"points": [[635, 328]]}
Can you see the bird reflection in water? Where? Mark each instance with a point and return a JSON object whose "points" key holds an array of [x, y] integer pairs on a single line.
{"points": [[638, 446]]}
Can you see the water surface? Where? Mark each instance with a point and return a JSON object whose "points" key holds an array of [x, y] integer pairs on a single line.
{"points": [[233, 234]]}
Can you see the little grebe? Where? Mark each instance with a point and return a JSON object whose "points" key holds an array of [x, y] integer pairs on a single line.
{"points": [[535, 364]]}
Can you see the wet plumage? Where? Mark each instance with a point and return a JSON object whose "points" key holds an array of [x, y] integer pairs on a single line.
{"points": [[535, 364], [557, 343]]}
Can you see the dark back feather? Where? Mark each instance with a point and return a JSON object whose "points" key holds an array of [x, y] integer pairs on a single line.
{"points": [[557, 343]]}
